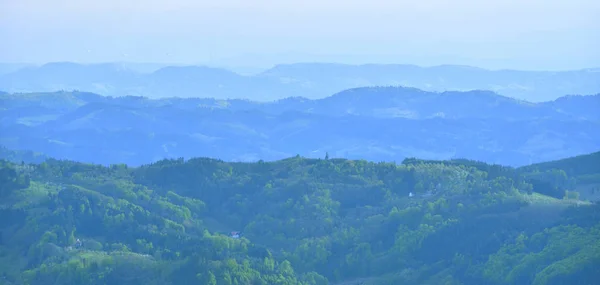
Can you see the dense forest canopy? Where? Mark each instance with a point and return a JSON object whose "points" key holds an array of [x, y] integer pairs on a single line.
{"points": [[298, 221]]}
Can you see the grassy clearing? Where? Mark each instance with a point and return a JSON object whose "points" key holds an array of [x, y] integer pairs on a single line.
{"points": [[540, 199]]}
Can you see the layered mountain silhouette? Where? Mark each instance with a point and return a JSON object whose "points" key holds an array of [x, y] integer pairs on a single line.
{"points": [[381, 124], [310, 80]]}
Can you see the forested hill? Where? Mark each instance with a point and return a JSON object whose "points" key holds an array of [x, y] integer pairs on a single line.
{"points": [[578, 166], [302, 221], [581, 173], [377, 124]]}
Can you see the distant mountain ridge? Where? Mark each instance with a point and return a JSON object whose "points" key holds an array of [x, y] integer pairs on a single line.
{"points": [[310, 80], [381, 102], [381, 124]]}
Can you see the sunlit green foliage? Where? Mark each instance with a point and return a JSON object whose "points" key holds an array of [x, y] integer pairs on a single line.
{"points": [[303, 221]]}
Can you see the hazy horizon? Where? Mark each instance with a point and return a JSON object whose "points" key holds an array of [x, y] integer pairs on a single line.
{"points": [[251, 70], [525, 35]]}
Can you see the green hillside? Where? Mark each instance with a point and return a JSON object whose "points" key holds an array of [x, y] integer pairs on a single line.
{"points": [[585, 168], [302, 221], [580, 173]]}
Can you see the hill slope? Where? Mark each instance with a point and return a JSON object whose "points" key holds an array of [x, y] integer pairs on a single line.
{"points": [[303, 221], [381, 124], [312, 80], [583, 171], [580, 165]]}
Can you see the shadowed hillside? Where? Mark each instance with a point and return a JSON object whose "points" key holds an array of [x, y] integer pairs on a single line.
{"points": [[381, 124]]}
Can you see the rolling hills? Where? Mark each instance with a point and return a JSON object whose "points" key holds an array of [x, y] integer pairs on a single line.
{"points": [[303, 221], [311, 80], [380, 124]]}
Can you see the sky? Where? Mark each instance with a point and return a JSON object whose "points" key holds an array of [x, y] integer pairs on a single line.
{"points": [[520, 34]]}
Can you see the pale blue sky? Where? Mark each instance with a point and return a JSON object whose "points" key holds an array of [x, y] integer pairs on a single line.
{"points": [[531, 34]]}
